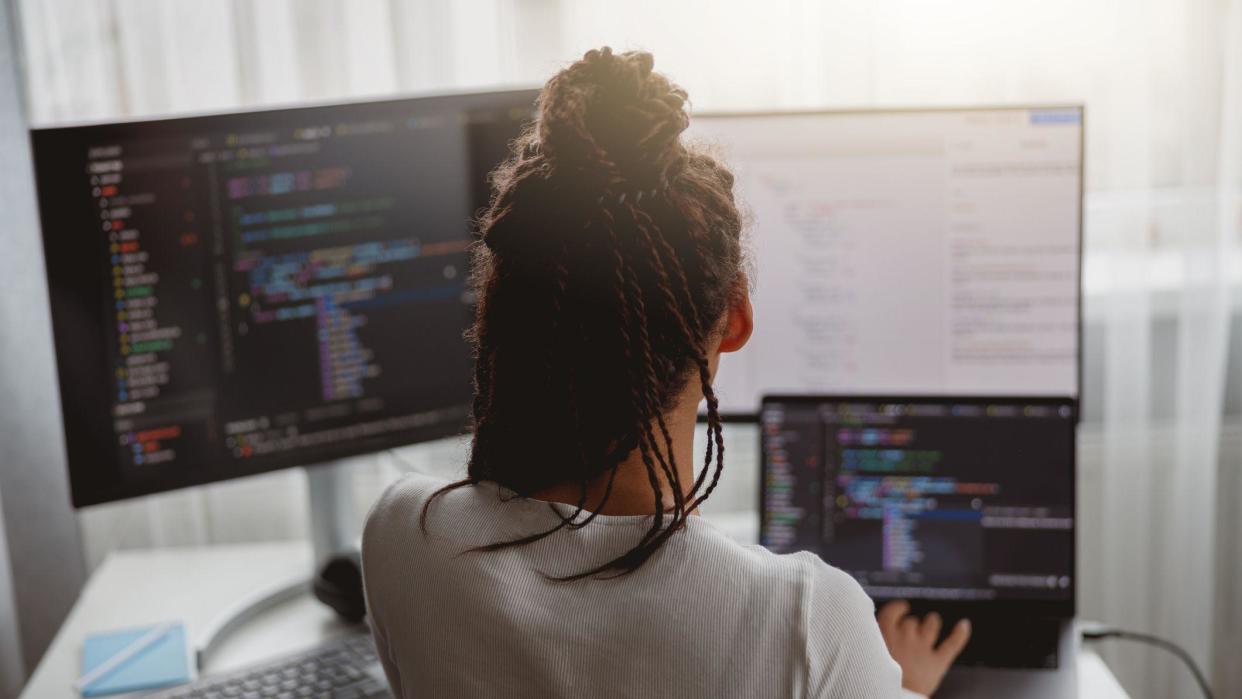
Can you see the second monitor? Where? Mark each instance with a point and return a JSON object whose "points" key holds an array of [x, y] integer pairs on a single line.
{"points": [[931, 252]]}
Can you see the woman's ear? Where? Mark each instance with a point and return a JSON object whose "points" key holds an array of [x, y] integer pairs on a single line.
{"points": [[740, 323]]}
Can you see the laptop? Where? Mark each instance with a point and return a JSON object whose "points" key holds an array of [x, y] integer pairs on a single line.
{"points": [[963, 506]]}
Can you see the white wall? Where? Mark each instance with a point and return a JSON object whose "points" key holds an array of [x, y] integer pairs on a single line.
{"points": [[41, 555]]}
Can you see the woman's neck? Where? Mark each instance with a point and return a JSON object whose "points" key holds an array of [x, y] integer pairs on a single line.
{"points": [[631, 492]]}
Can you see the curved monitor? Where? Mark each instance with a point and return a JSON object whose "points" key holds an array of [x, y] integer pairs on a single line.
{"points": [[921, 251], [238, 293]]}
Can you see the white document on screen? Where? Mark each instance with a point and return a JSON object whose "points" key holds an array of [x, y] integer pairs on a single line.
{"points": [[907, 252]]}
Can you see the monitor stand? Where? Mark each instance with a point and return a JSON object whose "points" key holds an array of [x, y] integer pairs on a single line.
{"points": [[333, 528], [333, 532]]}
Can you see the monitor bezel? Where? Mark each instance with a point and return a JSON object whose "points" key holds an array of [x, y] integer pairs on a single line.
{"points": [[739, 416], [1034, 607], [74, 280]]}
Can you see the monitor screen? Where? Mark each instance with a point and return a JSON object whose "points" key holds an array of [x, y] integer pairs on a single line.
{"points": [[242, 292], [909, 252], [925, 498]]}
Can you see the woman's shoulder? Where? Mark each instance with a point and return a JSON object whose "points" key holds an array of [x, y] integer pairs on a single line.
{"points": [[398, 511], [833, 617], [833, 584], [409, 488], [803, 570], [408, 492], [421, 509]]}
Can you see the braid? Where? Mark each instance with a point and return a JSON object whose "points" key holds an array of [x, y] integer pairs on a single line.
{"points": [[650, 405], [644, 224], [622, 285], [715, 431], [608, 255]]}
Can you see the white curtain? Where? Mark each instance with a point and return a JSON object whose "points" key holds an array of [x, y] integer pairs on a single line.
{"points": [[1162, 83]]}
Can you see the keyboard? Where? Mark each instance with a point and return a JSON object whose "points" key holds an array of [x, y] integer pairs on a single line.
{"points": [[344, 668], [1016, 642]]}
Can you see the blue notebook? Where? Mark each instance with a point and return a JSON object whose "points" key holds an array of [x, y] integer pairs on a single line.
{"points": [[165, 662]]}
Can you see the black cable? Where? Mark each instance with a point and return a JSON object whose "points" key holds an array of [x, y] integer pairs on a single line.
{"points": [[1096, 635]]}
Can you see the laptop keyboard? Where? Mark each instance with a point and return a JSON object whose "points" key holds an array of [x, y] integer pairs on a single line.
{"points": [[1003, 642], [345, 668]]}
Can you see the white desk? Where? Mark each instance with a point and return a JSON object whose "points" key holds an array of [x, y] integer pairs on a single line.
{"points": [[196, 585]]}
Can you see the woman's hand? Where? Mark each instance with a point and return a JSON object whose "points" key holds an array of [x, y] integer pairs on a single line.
{"points": [[912, 643]]}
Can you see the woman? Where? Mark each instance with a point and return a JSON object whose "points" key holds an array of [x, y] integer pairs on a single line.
{"points": [[570, 561]]}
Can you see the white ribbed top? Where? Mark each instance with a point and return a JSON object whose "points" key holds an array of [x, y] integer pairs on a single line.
{"points": [[704, 617]]}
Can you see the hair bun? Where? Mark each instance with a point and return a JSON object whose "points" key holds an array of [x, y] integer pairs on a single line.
{"points": [[612, 112]]}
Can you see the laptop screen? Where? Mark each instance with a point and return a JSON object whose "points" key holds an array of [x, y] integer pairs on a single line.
{"points": [[926, 498]]}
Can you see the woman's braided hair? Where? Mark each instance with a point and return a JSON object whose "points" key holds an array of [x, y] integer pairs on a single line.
{"points": [[610, 254]]}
